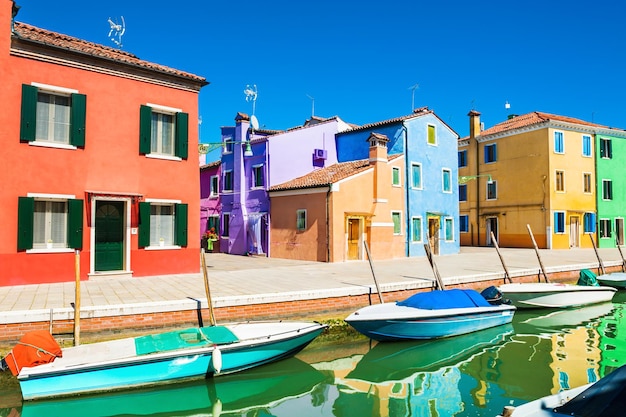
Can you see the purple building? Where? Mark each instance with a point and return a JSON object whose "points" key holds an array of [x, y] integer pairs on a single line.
{"points": [[210, 205], [252, 161]]}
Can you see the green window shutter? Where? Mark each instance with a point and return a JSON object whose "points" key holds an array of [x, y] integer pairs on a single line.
{"points": [[77, 120], [145, 129], [182, 135], [180, 234], [75, 224], [144, 225], [25, 220], [29, 113]]}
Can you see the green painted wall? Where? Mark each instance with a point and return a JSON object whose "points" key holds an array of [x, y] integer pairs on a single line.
{"points": [[611, 167]]}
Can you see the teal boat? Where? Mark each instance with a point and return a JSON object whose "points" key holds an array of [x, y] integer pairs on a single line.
{"points": [[163, 358], [237, 394]]}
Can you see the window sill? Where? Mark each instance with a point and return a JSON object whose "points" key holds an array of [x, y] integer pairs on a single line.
{"points": [[164, 157], [52, 145], [50, 250], [165, 247]]}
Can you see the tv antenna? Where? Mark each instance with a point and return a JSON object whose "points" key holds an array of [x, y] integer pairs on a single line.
{"points": [[251, 94], [413, 88], [507, 105], [312, 105], [117, 30]]}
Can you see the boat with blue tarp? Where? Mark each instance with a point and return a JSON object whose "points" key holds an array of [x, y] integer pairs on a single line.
{"points": [[430, 315]]}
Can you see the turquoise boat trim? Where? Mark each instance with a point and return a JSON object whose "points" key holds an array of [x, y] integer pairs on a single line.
{"points": [[186, 338]]}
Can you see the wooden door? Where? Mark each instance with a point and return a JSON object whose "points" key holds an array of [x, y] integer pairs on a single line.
{"points": [[354, 238], [433, 234], [574, 232]]}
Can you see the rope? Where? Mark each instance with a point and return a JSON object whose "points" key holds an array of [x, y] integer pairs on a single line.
{"points": [[37, 348]]}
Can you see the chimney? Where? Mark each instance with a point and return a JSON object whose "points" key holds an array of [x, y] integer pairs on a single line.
{"points": [[475, 126], [378, 159]]}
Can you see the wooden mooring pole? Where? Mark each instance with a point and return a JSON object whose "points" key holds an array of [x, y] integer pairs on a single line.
{"points": [[207, 289], [506, 270], [369, 258], [532, 237], [76, 299]]}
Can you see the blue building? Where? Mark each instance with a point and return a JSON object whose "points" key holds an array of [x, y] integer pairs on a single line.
{"points": [[430, 176]]}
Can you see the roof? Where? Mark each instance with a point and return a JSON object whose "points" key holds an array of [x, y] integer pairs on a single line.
{"points": [[416, 113], [533, 118], [210, 165], [31, 33], [327, 175]]}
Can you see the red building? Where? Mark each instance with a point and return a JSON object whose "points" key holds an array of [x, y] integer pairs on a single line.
{"points": [[100, 156]]}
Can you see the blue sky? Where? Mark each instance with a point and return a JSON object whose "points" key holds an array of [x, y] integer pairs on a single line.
{"points": [[359, 59]]}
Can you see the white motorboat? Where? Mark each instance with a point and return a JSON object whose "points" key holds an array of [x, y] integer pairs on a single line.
{"points": [[614, 279], [554, 295], [604, 398]]}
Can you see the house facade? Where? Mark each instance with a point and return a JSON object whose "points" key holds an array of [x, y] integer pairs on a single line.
{"points": [[428, 177], [210, 204], [100, 160], [253, 160], [535, 171], [610, 146], [328, 214]]}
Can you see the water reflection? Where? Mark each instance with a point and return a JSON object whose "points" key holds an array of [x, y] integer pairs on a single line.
{"points": [[540, 353]]}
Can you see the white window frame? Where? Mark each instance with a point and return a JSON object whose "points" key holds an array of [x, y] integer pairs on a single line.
{"points": [[53, 90], [466, 217], [421, 228], [301, 220], [491, 146], [447, 171], [232, 179], [448, 227], [604, 197], [494, 184], [229, 145], [590, 191], [428, 126], [158, 239], [419, 186], [590, 154], [396, 170], [562, 232], [556, 181], [464, 186], [561, 140], [399, 214], [602, 231], [49, 245], [225, 226], [258, 170], [214, 186]]}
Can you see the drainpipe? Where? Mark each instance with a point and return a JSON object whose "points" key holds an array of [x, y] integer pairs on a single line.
{"points": [[330, 186], [406, 186], [477, 193]]}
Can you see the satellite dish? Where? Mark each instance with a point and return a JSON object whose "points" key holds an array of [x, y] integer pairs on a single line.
{"points": [[254, 122]]}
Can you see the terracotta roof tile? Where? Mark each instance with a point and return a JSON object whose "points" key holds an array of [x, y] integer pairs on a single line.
{"points": [[54, 39], [328, 175], [416, 113], [533, 118]]}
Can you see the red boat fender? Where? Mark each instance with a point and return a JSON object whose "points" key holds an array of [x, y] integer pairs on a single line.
{"points": [[34, 348]]}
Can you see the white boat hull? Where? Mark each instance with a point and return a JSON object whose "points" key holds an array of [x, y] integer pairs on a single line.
{"points": [[550, 295], [615, 279]]}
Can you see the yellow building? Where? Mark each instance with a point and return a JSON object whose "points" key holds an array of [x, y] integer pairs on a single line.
{"points": [[536, 169]]}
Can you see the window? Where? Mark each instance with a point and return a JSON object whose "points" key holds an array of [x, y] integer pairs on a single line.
{"points": [[492, 190], [162, 224], [606, 148], [301, 220], [463, 192], [607, 190], [490, 153], [396, 217], [560, 181], [605, 228], [395, 176], [587, 182], [225, 224], [464, 223], [589, 222], [50, 222], [462, 159], [257, 176], [213, 222], [432, 135], [214, 191], [416, 176], [52, 116], [229, 144], [163, 131], [559, 146], [449, 224], [446, 179], [228, 180], [559, 222], [586, 145], [416, 229]]}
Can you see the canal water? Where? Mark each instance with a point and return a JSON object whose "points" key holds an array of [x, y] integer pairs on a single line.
{"points": [[542, 352]]}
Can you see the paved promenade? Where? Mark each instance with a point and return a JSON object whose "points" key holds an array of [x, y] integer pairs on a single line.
{"points": [[241, 280]]}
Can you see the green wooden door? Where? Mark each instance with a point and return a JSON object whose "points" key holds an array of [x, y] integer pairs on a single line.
{"points": [[109, 235]]}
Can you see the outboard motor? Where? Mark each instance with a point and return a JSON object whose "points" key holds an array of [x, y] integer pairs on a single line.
{"points": [[494, 296]]}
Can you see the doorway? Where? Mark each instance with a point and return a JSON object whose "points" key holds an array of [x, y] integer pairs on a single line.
{"points": [[354, 238], [433, 234], [109, 234], [492, 226], [574, 232], [619, 231]]}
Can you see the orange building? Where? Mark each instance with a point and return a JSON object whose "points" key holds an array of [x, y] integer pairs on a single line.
{"points": [[100, 160], [328, 214]]}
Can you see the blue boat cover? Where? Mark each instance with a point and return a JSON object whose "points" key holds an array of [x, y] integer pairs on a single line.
{"points": [[443, 299]]}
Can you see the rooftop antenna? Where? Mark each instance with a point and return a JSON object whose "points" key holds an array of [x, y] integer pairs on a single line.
{"points": [[312, 105], [251, 94], [507, 105], [413, 88], [116, 32]]}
